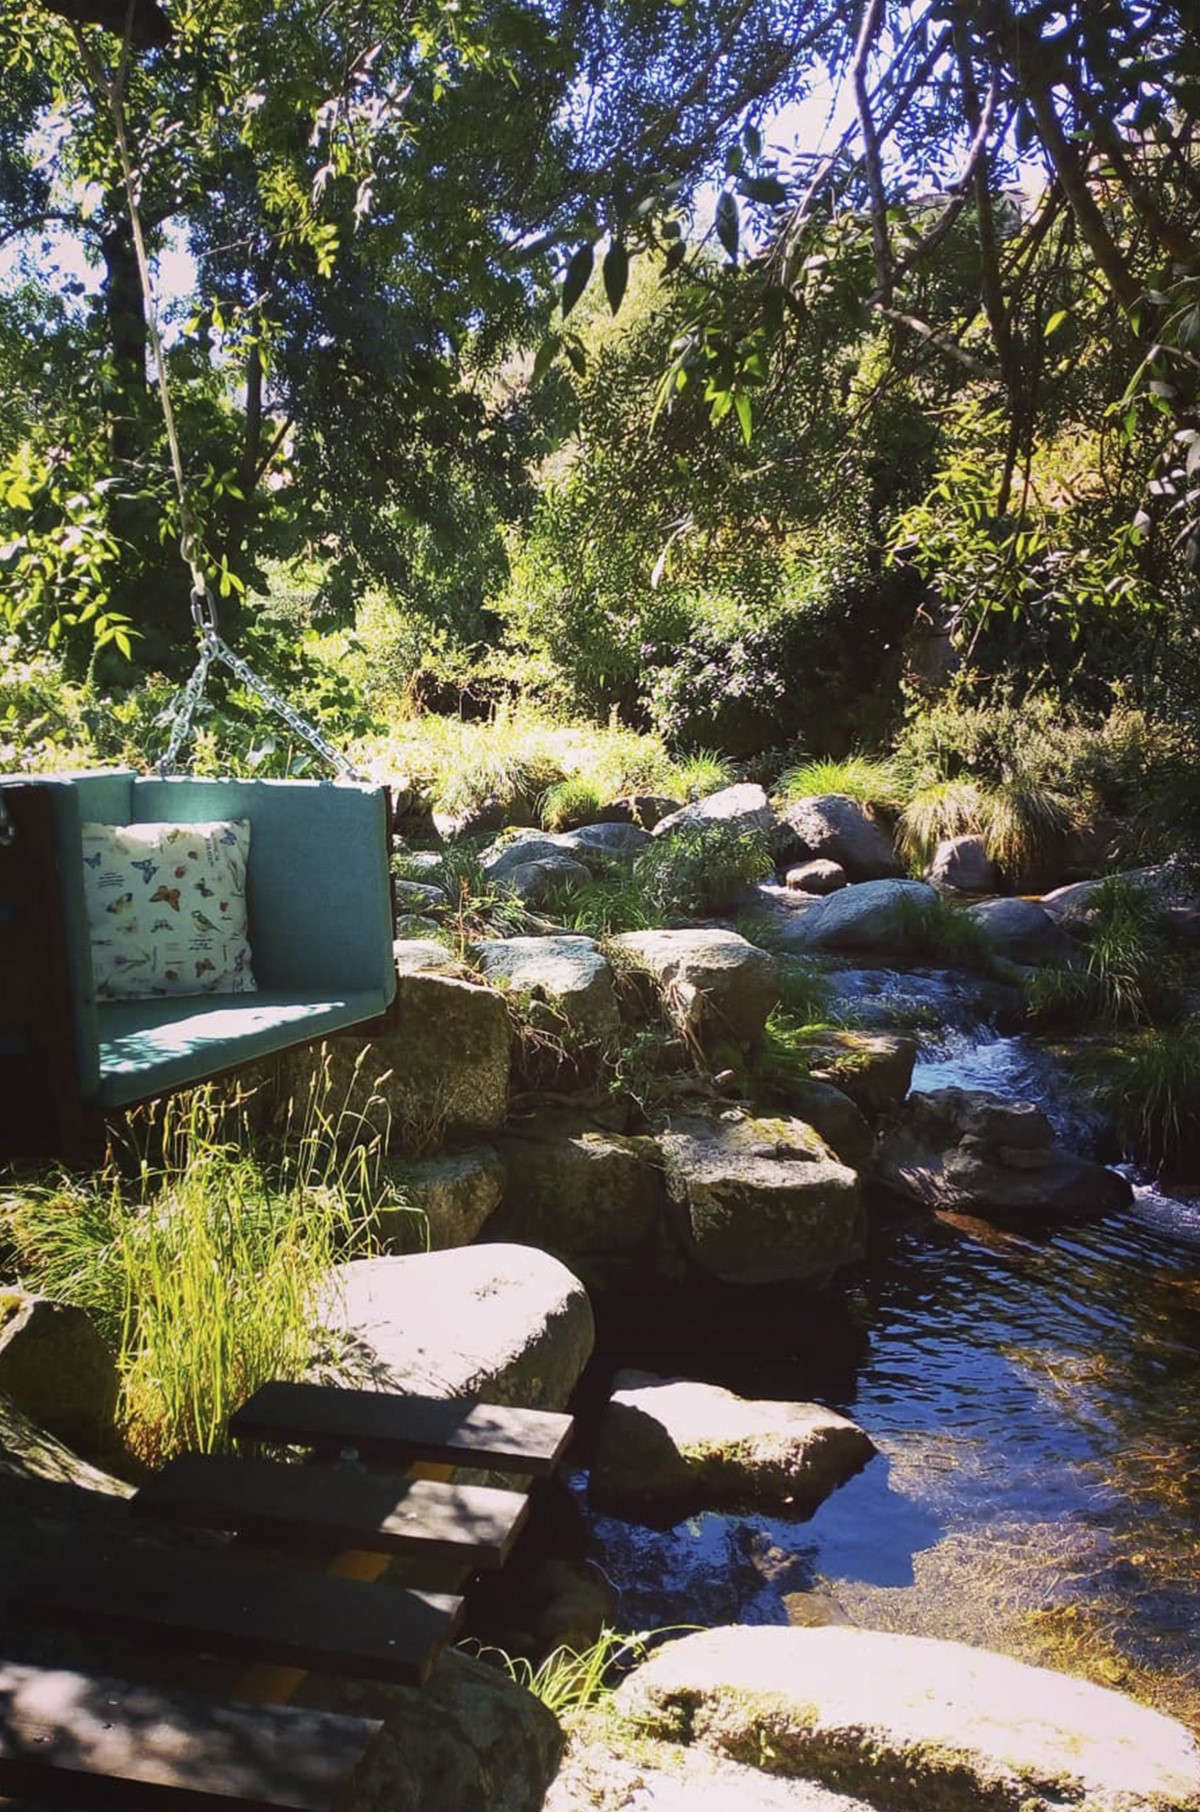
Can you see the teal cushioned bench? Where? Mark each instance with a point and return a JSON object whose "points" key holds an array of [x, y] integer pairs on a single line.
{"points": [[319, 906]]}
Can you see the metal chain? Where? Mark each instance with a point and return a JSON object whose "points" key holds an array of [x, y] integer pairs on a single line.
{"points": [[8, 830], [213, 648]]}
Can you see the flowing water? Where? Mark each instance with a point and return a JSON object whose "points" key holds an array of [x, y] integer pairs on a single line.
{"points": [[1035, 1399]]}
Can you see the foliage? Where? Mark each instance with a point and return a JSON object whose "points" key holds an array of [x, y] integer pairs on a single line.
{"points": [[1128, 968], [856, 777], [205, 1268], [1154, 1095], [576, 799], [935, 931], [693, 872], [943, 809], [571, 1680], [44, 717]]}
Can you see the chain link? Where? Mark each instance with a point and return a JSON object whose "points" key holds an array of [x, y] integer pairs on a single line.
{"points": [[213, 648]]}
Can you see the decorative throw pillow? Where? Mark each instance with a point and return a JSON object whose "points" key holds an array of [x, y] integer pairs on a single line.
{"points": [[166, 906]]}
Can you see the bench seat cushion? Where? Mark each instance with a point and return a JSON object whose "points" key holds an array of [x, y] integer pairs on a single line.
{"points": [[150, 1046]]}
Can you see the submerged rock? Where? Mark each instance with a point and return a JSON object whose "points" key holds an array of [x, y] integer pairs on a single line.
{"points": [[762, 1200], [668, 1446], [967, 1151], [911, 1724]]}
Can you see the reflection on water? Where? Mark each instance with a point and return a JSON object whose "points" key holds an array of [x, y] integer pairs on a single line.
{"points": [[1036, 1402]]}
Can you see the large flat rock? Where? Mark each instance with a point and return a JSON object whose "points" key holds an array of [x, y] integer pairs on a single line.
{"points": [[712, 982], [911, 1724], [505, 1323]]}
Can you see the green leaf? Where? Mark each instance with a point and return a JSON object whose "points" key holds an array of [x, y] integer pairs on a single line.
{"points": [[576, 280], [576, 354], [616, 274], [752, 139], [727, 222], [767, 189], [1056, 320], [741, 403], [675, 257], [545, 356]]}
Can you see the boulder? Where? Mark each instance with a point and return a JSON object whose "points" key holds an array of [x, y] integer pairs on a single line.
{"points": [[418, 953], [837, 829], [661, 1777], [597, 1200], [819, 877], [526, 846], [598, 845], [643, 809], [469, 1740], [712, 982], [504, 1323], [966, 1151], [745, 807], [448, 1198], [1023, 931], [963, 863], [911, 1723], [56, 1369], [667, 1447], [489, 814], [440, 1071], [831, 1113], [534, 882], [869, 916], [873, 1068], [419, 896], [567, 972], [762, 1200], [414, 927]]}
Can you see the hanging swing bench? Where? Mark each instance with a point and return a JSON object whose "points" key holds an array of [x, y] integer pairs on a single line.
{"points": [[159, 930]]}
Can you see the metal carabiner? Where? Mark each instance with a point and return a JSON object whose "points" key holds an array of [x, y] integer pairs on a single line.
{"points": [[204, 610]]}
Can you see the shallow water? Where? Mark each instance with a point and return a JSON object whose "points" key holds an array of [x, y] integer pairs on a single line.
{"points": [[1035, 1399]]}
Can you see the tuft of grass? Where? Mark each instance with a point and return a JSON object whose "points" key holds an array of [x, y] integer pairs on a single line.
{"points": [[1153, 1095], [206, 1269], [1128, 966], [858, 777], [571, 802], [1026, 822], [935, 931], [571, 1680], [703, 773], [688, 874], [948, 808]]}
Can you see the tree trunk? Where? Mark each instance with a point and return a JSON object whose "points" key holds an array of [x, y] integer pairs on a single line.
{"points": [[128, 340]]}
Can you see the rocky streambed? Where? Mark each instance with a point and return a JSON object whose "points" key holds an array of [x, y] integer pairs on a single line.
{"points": [[1034, 1397]]}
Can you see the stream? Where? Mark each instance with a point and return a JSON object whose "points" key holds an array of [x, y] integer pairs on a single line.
{"points": [[1035, 1399]]}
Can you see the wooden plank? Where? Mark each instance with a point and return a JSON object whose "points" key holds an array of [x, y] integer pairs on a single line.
{"points": [[217, 1603], [337, 1507], [388, 1427], [98, 1745]]}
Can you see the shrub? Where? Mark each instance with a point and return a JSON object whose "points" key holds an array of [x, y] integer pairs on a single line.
{"points": [[206, 1271], [690, 873], [944, 809], [857, 777]]}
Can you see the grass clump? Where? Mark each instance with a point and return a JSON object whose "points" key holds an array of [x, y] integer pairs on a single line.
{"points": [[690, 873], [1128, 965], [935, 931], [572, 1680], [947, 808], [571, 802], [1153, 1095], [205, 1269], [858, 777]]}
